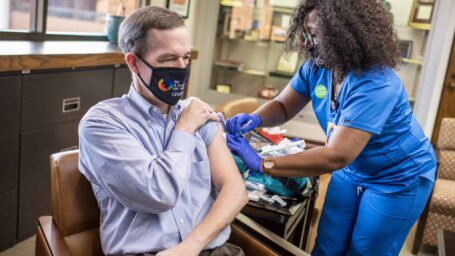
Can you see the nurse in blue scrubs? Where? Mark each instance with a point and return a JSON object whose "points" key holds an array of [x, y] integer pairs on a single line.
{"points": [[383, 167]]}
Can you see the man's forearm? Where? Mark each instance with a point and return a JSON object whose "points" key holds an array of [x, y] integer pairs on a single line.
{"points": [[230, 201]]}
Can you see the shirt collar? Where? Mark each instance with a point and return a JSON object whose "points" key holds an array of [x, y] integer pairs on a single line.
{"points": [[148, 107]]}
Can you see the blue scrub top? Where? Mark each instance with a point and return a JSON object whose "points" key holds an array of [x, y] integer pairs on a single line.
{"points": [[374, 101]]}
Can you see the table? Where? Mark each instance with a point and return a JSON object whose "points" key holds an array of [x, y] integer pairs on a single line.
{"points": [[291, 222], [446, 242]]}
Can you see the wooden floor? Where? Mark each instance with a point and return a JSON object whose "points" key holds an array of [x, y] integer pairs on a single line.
{"points": [[24, 248]]}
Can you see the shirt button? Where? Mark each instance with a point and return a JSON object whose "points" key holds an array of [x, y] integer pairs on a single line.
{"points": [[181, 221]]}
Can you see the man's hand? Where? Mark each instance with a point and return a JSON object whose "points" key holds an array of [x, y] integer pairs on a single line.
{"points": [[240, 147], [186, 247], [196, 114]]}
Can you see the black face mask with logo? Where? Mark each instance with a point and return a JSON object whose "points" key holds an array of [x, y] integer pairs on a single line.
{"points": [[167, 83]]}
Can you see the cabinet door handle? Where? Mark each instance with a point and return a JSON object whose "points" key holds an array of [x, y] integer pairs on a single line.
{"points": [[452, 85], [71, 104]]}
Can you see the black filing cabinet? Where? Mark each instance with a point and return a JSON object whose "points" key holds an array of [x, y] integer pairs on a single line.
{"points": [[52, 105], [122, 81], [10, 98]]}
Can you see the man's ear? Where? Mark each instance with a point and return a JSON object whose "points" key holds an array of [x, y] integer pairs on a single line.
{"points": [[131, 61]]}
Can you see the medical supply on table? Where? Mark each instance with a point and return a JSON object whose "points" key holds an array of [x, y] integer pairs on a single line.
{"points": [[289, 147], [254, 185], [267, 199], [279, 200], [255, 195]]}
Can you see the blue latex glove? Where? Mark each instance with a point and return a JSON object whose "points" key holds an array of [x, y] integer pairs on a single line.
{"points": [[242, 123], [240, 147]]}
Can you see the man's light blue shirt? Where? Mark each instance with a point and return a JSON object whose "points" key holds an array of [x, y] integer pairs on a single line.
{"points": [[152, 183]]}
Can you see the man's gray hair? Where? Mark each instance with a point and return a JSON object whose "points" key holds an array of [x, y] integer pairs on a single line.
{"points": [[133, 33]]}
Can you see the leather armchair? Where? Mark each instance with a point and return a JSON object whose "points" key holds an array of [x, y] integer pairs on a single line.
{"points": [[233, 107], [73, 228], [440, 211]]}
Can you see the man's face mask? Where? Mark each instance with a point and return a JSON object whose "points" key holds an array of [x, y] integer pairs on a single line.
{"points": [[313, 49], [167, 83]]}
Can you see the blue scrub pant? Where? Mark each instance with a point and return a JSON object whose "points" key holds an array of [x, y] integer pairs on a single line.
{"points": [[367, 222]]}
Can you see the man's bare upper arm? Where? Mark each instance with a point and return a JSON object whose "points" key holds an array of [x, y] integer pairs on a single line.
{"points": [[222, 164]]}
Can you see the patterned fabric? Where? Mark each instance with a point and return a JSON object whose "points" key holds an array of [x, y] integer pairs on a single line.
{"points": [[446, 138], [443, 199], [446, 164], [436, 221], [442, 206]]}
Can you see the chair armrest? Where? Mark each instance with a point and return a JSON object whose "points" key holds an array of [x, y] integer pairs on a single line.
{"points": [[49, 239], [265, 240]]}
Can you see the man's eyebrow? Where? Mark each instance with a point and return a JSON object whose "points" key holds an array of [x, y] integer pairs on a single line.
{"points": [[167, 55]]}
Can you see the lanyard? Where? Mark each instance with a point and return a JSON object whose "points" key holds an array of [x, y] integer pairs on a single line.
{"points": [[333, 99]]}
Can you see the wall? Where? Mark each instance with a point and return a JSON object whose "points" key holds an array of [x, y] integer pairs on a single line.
{"points": [[190, 21], [436, 60], [409, 73]]}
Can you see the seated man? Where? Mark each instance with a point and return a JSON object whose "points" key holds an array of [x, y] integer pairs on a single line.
{"points": [[160, 169]]}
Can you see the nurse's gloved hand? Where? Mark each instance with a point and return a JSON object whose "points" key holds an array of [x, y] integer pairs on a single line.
{"points": [[242, 123], [240, 147]]}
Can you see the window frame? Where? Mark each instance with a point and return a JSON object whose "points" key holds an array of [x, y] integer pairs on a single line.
{"points": [[37, 32]]}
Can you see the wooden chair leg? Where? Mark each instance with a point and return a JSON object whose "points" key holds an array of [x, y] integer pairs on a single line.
{"points": [[419, 231]]}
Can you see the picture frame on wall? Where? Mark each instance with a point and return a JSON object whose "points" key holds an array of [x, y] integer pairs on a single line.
{"points": [[182, 7], [287, 63], [405, 48], [421, 14], [223, 88]]}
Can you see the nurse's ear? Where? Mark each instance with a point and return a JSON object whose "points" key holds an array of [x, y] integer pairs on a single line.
{"points": [[132, 61]]}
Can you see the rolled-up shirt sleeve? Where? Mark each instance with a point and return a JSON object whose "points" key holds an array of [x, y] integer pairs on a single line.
{"points": [[208, 132], [115, 160]]}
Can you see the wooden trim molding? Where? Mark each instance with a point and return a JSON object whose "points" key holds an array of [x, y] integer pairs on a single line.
{"points": [[27, 55], [25, 63]]}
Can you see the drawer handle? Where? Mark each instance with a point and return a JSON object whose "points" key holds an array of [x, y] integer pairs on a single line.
{"points": [[71, 104], [69, 148]]}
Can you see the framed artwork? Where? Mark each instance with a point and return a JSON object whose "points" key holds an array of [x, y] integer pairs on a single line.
{"points": [[227, 24], [182, 7], [279, 34], [287, 62], [405, 48], [421, 14], [224, 88]]}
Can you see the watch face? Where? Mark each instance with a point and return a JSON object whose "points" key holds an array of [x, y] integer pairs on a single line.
{"points": [[268, 164]]}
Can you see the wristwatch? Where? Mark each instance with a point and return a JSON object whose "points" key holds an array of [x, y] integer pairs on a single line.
{"points": [[267, 165]]}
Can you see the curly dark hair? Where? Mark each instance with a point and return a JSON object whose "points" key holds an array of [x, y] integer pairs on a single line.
{"points": [[355, 34]]}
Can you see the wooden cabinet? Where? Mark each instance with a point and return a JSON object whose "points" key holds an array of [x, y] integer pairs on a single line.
{"points": [[10, 103], [40, 115], [122, 81], [9, 162], [53, 98], [34, 184], [52, 105], [10, 99], [8, 215]]}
